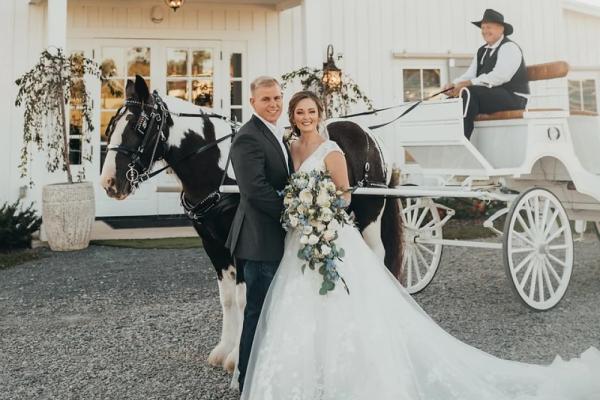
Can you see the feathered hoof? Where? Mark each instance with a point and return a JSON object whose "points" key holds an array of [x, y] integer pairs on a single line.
{"points": [[218, 355], [231, 361]]}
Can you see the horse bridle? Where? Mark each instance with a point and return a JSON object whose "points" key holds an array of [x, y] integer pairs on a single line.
{"points": [[150, 126], [155, 121]]}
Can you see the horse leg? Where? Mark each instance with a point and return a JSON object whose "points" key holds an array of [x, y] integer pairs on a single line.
{"points": [[227, 289], [232, 358]]}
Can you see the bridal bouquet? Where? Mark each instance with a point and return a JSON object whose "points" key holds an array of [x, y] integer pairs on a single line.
{"points": [[312, 204]]}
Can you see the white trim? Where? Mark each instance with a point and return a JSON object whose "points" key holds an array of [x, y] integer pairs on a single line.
{"points": [[581, 8], [427, 56], [57, 23], [287, 4]]}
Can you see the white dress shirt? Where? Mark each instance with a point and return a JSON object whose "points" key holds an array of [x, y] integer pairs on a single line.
{"points": [[507, 64], [278, 133]]}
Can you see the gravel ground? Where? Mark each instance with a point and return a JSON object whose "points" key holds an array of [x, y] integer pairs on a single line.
{"points": [[110, 323]]}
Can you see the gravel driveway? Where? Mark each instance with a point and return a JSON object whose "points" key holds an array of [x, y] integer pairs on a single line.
{"points": [[110, 323]]}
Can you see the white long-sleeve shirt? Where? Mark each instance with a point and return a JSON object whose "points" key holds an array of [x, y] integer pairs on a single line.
{"points": [[507, 64], [278, 133]]}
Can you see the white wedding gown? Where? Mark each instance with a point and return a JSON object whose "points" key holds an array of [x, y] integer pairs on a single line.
{"points": [[376, 343]]}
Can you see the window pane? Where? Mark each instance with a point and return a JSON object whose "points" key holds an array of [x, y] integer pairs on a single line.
{"points": [[76, 123], [202, 93], [236, 114], [589, 95], [202, 63], [236, 93], [431, 82], [112, 62], [77, 93], [574, 95], [138, 61], [236, 65], [77, 64], [112, 93], [177, 62], [412, 84], [178, 89], [105, 117], [75, 150]]}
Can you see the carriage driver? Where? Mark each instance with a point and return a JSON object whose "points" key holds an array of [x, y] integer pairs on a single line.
{"points": [[497, 77]]}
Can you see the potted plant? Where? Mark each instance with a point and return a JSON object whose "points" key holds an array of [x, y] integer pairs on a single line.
{"points": [[53, 87]]}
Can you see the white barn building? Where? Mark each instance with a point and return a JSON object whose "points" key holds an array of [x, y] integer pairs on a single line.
{"points": [[209, 51]]}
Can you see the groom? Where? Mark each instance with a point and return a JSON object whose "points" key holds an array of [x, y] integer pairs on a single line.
{"points": [[262, 166]]}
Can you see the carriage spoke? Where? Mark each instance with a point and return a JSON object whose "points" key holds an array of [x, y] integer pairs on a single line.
{"points": [[523, 238], [540, 281], [555, 234], [529, 213], [536, 213], [547, 278], [524, 226], [556, 260], [523, 262], [409, 264], [526, 275], [422, 246], [424, 261], [533, 278], [551, 268], [544, 215], [559, 247], [417, 266], [422, 217], [548, 227], [521, 250]]}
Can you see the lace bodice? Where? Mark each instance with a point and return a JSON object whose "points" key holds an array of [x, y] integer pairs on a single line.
{"points": [[317, 159]]}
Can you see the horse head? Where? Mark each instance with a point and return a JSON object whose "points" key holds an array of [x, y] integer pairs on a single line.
{"points": [[137, 138]]}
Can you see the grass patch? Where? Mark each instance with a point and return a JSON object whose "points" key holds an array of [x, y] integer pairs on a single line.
{"points": [[166, 243], [12, 259]]}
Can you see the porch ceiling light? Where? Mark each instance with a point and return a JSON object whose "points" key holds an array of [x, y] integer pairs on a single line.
{"points": [[174, 4], [332, 75]]}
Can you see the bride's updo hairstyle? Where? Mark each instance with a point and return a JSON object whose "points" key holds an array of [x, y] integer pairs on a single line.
{"points": [[297, 98]]}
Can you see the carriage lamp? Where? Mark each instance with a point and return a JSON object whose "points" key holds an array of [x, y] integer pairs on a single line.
{"points": [[174, 4], [332, 75]]}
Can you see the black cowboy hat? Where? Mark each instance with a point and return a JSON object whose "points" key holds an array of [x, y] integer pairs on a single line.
{"points": [[494, 16]]}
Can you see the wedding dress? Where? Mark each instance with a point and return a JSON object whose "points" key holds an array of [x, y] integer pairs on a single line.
{"points": [[376, 343]]}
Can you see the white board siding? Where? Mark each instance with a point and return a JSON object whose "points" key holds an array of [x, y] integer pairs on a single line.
{"points": [[582, 36]]}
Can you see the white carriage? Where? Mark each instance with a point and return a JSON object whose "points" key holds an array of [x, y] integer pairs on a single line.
{"points": [[542, 162]]}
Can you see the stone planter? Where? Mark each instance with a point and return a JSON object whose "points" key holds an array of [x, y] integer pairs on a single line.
{"points": [[68, 212]]}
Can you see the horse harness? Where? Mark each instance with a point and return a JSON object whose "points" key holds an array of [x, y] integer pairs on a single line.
{"points": [[150, 126]]}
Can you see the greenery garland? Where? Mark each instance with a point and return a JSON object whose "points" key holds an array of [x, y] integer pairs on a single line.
{"points": [[45, 91]]}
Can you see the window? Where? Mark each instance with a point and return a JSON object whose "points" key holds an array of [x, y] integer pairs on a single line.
{"points": [[76, 99], [236, 81], [190, 74], [119, 64], [582, 95], [420, 83]]}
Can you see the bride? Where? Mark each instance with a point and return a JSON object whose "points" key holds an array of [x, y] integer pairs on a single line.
{"points": [[376, 342]]}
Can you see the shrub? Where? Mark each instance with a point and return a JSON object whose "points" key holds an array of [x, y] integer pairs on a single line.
{"points": [[16, 226]]}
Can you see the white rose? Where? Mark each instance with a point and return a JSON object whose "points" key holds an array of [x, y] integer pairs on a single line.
{"points": [[301, 183], [301, 209], [321, 227], [326, 215], [313, 239], [311, 182], [307, 230], [331, 186], [323, 198], [329, 235], [293, 221], [288, 199], [325, 250], [306, 196], [303, 239]]}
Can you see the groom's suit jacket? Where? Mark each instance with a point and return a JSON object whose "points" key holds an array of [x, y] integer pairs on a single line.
{"points": [[260, 170]]}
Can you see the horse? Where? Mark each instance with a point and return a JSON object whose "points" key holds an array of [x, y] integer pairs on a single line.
{"points": [[148, 129]]}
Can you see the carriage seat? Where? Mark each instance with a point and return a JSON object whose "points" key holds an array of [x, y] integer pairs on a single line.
{"points": [[552, 70]]}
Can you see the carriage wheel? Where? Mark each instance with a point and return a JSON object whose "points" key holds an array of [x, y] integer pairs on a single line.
{"points": [[597, 229], [420, 261], [538, 249]]}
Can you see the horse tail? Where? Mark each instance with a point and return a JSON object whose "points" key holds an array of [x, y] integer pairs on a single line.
{"points": [[391, 233]]}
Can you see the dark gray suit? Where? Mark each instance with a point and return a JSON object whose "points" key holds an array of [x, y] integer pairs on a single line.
{"points": [[256, 237]]}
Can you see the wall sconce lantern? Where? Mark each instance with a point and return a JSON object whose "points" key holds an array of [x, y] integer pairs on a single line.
{"points": [[332, 75], [174, 4]]}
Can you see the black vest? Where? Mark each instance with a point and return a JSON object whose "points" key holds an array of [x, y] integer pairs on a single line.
{"points": [[518, 83]]}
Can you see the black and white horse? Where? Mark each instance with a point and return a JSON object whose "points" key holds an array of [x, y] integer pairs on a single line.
{"points": [[148, 129]]}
